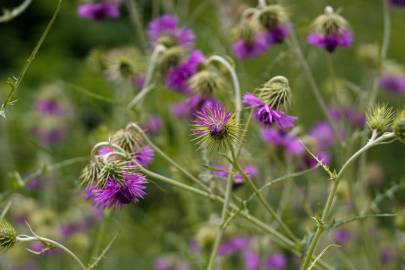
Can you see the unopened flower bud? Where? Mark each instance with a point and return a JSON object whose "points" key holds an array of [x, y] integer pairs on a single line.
{"points": [[272, 16], [275, 92], [399, 126], [8, 235], [379, 117], [206, 83], [128, 138], [170, 58]]}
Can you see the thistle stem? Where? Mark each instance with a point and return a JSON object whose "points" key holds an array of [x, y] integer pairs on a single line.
{"points": [[261, 198], [147, 87], [331, 198], [235, 81], [225, 208], [24, 238]]}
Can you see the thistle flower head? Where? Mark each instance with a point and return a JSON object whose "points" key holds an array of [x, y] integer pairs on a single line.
{"points": [[329, 31], [90, 173], [272, 16], [123, 64], [7, 235], [170, 58], [275, 92], [249, 43], [206, 83], [128, 138], [399, 126], [98, 11], [214, 127], [380, 117]]}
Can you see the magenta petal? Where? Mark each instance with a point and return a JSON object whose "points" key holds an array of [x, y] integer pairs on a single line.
{"points": [[251, 100]]}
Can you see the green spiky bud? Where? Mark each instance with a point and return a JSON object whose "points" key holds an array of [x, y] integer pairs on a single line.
{"points": [[128, 138], [275, 92], [90, 173], [112, 169], [380, 117], [399, 126], [170, 58], [330, 22], [272, 16], [123, 64], [8, 235], [206, 83]]}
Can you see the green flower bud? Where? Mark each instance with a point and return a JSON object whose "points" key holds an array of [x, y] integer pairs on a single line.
{"points": [[275, 92], [206, 83], [399, 126], [329, 23], [129, 139], [170, 58], [272, 16], [380, 117], [123, 64], [8, 235]]}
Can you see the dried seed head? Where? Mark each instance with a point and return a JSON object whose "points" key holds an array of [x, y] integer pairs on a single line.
{"points": [[399, 126], [8, 235], [330, 23], [275, 92], [272, 16], [206, 83], [380, 117]]}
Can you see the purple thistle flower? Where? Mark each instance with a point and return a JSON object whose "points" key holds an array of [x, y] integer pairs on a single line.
{"points": [[348, 113], [114, 194], [250, 49], [341, 38], [278, 34], [276, 261], [323, 134], [145, 156], [214, 126], [190, 106], [222, 172], [233, 246], [392, 83], [397, 3], [341, 236], [99, 11], [153, 125], [251, 259], [284, 140], [266, 116], [49, 107], [177, 77], [165, 29]]}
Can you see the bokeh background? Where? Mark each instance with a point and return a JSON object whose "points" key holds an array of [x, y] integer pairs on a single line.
{"points": [[167, 220]]}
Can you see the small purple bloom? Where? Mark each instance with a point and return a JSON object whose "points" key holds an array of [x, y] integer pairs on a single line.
{"points": [[348, 113], [177, 77], [115, 194], [397, 3], [145, 156], [252, 259], [392, 83], [190, 106], [222, 172], [44, 250], [278, 34], [266, 116], [166, 26], [245, 49], [49, 107], [284, 140], [341, 38], [276, 261], [341, 236], [99, 11], [233, 246], [323, 134], [153, 125]]}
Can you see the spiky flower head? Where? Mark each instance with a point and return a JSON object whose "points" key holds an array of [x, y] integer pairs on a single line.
{"points": [[272, 16], [8, 235], [379, 117], [123, 64], [206, 83], [214, 127], [399, 126], [275, 92], [128, 138], [329, 22], [169, 58], [90, 173]]}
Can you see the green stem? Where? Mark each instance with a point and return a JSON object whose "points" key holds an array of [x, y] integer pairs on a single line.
{"points": [[100, 235], [331, 198], [136, 21], [9, 15], [262, 200], [235, 81], [225, 207], [24, 238], [277, 237], [31, 58]]}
